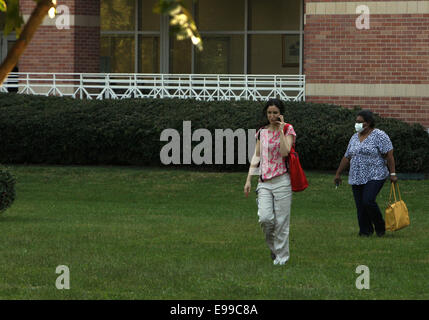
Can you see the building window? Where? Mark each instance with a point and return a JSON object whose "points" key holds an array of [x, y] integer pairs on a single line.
{"points": [[148, 54], [274, 36], [117, 54], [220, 15], [6, 42], [222, 54], [268, 55], [130, 37], [180, 56], [147, 20], [274, 15], [2, 20], [118, 15], [239, 37]]}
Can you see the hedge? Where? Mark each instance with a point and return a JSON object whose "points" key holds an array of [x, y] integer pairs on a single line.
{"points": [[7, 189], [65, 131]]}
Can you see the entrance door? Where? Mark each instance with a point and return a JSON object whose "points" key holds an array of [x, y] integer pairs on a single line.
{"points": [[6, 43], [2, 54]]}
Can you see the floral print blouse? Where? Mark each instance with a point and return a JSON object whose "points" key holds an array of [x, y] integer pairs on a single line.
{"points": [[272, 164], [366, 158]]}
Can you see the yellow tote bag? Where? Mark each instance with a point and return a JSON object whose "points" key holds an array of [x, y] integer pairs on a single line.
{"points": [[396, 214]]}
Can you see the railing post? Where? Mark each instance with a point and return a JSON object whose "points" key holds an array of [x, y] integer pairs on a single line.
{"points": [[218, 87], [190, 86], [28, 84], [54, 84], [135, 85], [303, 88], [276, 92], [107, 93], [162, 85], [81, 86], [246, 86]]}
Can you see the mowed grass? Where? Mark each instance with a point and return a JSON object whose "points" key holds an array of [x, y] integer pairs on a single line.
{"points": [[145, 233]]}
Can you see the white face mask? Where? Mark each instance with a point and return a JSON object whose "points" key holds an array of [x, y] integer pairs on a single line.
{"points": [[359, 127]]}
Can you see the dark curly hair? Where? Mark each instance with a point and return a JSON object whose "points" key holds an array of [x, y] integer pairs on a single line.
{"points": [[271, 102]]}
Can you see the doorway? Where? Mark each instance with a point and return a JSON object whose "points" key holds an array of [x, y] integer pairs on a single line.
{"points": [[6, 44]]}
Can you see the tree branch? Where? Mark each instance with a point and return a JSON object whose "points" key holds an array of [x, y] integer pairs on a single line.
{"points": [[39, 13]]}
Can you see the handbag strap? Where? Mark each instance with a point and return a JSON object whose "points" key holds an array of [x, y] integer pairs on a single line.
{"points": [[392, 188], [285, 128], [399, 193]]}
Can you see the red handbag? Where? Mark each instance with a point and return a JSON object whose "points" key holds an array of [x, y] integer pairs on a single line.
{"points": [[297, 176]]}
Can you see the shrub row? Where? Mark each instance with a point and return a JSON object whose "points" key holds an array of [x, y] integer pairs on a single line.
{"points": [[53, 130], [7, 189]]}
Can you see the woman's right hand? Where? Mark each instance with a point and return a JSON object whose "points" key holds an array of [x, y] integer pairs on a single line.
{"points": [[247, 187], [337, 180]]}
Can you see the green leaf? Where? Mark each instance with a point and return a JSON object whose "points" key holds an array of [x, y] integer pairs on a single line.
{"points": [[3, 6], [182, 24], [14, 20]]}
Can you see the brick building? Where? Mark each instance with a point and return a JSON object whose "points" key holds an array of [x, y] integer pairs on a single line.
{"points": [[373, 54], [384, 68]]}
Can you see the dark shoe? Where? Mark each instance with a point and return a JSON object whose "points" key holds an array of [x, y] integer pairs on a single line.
{"points": [[366, 235], [273, 256], [381, 234]]}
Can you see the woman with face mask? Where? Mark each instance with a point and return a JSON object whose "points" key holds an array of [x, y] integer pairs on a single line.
{"points": [[370, 155]]}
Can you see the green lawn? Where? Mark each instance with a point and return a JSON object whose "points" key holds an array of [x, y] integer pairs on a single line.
{"points": [[144, 233]]}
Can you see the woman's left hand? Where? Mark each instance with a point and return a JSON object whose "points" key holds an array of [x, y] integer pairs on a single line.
{"points": [[393, 179]]}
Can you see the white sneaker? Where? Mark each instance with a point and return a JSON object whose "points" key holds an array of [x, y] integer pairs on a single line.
{"points": [[281, 263]]}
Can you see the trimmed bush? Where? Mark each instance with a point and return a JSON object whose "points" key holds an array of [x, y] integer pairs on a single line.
{"points": [[53, 130], [7, 189]]}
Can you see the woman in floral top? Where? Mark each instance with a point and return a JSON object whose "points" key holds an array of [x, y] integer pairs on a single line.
{"points": [[370, 155], [274, 188]]}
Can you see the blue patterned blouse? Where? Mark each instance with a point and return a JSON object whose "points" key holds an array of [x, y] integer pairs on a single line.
{"points": [[366, 160]]}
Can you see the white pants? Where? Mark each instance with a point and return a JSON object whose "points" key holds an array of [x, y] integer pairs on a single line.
{"points": [[274, 202]]}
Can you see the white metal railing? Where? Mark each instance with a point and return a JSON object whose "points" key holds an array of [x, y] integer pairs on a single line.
{"points": [[141, 85]]}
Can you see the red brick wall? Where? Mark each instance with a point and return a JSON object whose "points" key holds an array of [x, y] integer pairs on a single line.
{"points": [[408, 109], [27, 6], [87, 7], [66, 50], [395, 50], [87, 49]]}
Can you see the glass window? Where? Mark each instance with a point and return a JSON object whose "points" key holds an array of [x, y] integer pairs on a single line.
{"points": [[222, 26], [117, 54], [273, 54], [220, 15], [117, 15], [222, 54], [274, 14], [180, 56], [2, 20], [148, 54], [148, 20]]}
